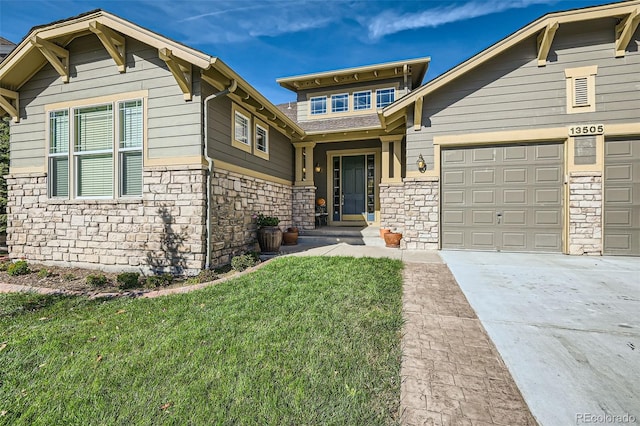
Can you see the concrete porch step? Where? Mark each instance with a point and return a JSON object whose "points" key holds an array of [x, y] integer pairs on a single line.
{"points": [[357, 236]]}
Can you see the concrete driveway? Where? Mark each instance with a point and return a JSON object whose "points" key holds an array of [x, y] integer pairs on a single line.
{"points": [[567, 327]]}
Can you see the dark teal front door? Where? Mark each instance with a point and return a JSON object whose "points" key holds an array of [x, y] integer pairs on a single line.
{"points": [[353, 187]]}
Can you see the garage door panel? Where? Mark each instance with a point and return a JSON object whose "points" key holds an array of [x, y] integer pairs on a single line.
{"points": [[483, 217], [483, 240], [483, 176], [514, 196], [453, 217], [484, 155], [547, 241], [618, 217], [514, 217], [453, 157], [515, 153], [622, 172], [483, 196], [548, 196], [514, 241], [453, 197], [548, 217], [548, 152], [517, 175], [453, 177], [507, 187], [622, 197], [548, 174]]}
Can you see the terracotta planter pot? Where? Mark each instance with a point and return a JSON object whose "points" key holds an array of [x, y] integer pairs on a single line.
{"points": [[384, 231], [392, 239], [269, 239], [290, 238]]}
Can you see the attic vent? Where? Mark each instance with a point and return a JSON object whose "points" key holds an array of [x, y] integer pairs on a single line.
{"points": [[581, 92]]}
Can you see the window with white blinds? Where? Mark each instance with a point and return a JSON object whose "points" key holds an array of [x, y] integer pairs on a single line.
{"points": [[59, 153], [106, 154]]}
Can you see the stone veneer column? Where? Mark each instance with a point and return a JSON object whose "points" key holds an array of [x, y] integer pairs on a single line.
{"points": [[421, 211], [392, 206], [164, 231], [585, 213], [235, 199], [304, 207]]}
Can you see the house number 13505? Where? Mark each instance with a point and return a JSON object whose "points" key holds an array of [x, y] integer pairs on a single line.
{"points": [[586, 130]]}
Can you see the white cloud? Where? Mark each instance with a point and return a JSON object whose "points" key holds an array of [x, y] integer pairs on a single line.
{"points": [[389, 22]]}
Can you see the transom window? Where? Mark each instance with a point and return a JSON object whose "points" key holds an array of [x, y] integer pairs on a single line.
{"points": [[318, 105], [385, 97], [362, 100], [102, 152], [340, 103]]}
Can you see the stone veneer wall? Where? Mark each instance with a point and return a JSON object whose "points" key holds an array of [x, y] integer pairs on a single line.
{"points": [[162, 232], [421, 207], [235, 199], [585, 213], [304, 207], [412, 207]]}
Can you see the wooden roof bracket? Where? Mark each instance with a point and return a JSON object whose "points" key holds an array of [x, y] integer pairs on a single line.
{"points": [[181, 71], [417, 113], [10, 102], [57, 56], [113, 43], [545, 39], [625, 30]]}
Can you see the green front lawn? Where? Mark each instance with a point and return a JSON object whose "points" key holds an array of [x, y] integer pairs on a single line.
{"points": [[303, 340]]}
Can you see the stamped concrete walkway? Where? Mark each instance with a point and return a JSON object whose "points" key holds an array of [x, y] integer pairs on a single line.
{"points": [[451, 372]]}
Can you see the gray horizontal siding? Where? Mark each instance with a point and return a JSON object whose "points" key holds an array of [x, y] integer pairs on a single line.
{"points": [[173, 125], [510, 92], [281, 152]]}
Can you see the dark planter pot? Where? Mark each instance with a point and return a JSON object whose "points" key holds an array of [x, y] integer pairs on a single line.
{"points": [[290, 237], [269, 239], [392, 239]]}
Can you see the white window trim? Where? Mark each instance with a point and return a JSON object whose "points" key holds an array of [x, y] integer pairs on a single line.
{"points": [[259, 153], [355, 108], [324, 97], [115, 151], [245, 146], [343, 95], [571, 75]]}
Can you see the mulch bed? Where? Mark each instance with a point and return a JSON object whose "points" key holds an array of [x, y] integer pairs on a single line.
{"points": [[74, 280]]}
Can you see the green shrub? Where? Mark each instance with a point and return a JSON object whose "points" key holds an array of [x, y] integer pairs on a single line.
{"points": [[162, 280], [206, 275], [4, 265], [242, 262], [68, 276], [18, 268], [128, 280], [97, 280], [44, 273]]}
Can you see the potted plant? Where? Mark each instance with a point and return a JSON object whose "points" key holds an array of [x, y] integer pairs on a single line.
{"points": [[269, 234], [392, 239], [290, 236]]}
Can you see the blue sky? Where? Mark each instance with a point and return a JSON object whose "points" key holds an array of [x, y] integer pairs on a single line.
{"points": [[265, 40]]}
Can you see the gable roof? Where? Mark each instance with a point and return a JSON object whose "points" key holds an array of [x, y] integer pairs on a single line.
{"points": [[28, 58], [544, 28]]}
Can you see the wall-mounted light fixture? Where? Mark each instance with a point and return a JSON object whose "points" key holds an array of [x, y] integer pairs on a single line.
{"points": [[422, 165], [317, 168]]}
